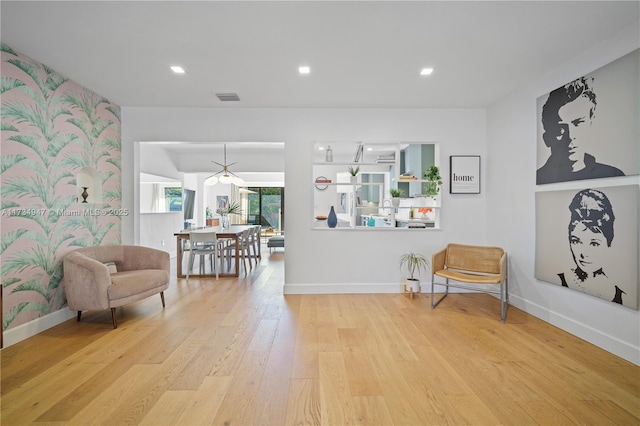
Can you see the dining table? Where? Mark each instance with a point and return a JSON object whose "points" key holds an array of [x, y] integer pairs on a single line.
{"points": [[234, 232]]}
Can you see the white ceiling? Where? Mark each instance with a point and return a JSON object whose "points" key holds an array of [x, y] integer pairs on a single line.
{"points": [[361, 54]]}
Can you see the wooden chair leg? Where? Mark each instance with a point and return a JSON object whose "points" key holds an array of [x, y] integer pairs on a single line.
{"points": [[162, 297], [114, 317]]}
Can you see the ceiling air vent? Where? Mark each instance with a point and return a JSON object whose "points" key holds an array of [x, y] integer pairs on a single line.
{"points": [[228, 97]]}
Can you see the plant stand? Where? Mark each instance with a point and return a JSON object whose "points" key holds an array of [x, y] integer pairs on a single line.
{"points": [[408, 290]]}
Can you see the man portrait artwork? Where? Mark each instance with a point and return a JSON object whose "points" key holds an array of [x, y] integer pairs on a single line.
{"points": [[589, 127], [567, 116]]}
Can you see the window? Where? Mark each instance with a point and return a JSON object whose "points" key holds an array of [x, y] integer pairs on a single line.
{"points": [[266, 207]]}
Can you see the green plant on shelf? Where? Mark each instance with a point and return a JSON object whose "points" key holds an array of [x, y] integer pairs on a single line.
{"points": [[396, 193], [433, 181], [354, 170]]}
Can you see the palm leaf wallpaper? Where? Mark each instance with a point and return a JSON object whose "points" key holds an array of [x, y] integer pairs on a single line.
{"points": [[51, 129]]}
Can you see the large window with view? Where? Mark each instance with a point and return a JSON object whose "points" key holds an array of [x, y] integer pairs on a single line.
{"points": [[266, 207]]}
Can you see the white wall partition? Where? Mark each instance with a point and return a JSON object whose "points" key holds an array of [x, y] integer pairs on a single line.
{"points": [[338, 261]]}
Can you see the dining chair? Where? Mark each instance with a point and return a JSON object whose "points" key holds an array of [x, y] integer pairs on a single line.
{"points": [[255, 243], [204, 243], [242, 247]]}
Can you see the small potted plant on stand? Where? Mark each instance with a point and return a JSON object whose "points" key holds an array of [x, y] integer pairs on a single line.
{"points": [[415, 263], [395, 196], [433, 182], [353, 171]]}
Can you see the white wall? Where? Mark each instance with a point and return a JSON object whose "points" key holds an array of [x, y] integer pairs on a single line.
{"points": [[157, 229], [317, 260], [510, 189]]}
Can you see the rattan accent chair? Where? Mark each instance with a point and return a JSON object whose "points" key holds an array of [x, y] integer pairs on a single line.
{"points": [[476, 268]]}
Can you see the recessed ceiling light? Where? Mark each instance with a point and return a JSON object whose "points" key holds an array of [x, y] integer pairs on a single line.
{"points": [[177, 69], [426, 71], [304, 69]]}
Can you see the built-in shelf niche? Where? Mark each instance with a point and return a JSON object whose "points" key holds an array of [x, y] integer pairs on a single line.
{"points": [[88, 179]]}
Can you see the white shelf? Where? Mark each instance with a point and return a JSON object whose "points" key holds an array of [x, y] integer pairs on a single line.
{"points": [[349, 183], [340, 163]]}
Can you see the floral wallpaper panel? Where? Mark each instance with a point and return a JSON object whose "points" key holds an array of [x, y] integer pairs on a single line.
{"points": [[53, 131]]}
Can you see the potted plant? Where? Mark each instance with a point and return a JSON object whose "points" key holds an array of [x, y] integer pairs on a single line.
{"points": [[209, 216], [433, 182], [353, 171], [232, 208], [395, 196], [414, 263]]}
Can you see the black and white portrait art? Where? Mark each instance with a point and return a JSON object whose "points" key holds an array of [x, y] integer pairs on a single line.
{"points": [[587, 240], [589, 127]]}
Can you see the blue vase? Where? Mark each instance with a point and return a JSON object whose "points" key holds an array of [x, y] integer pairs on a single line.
{"points": [[332, 220]]}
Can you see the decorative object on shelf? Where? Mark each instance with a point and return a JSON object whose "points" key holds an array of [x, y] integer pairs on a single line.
{"points": [[227, 175], [332, 219], [353, 171], [434, 181], [464, 174], [395, 196], [424, 211], [328, 157], [321, 217], [371, 221], [210, 221], [406, 177], [84, 194], [414, 263], [320, 180], [357, 156], [231, 208]]}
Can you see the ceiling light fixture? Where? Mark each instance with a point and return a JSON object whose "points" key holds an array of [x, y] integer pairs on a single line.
{"points": [[227, 175], [426, 71], [304, 69], [178, 70]]}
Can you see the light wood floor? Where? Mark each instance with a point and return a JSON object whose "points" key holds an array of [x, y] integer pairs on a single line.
{"points": [[238, 352]]}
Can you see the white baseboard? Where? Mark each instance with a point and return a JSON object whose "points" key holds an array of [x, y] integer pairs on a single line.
{"points": [[38, 325], [611, 344], [351, 288], [342, 288]]}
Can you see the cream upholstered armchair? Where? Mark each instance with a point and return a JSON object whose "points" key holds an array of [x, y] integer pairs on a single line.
{"points": [[106, 277]]}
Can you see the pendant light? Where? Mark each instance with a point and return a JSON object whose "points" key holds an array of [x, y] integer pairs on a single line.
{"points": [[227, 175]]}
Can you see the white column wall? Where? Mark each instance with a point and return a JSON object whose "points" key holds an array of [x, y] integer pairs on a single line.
{"points": [[510, 196]]}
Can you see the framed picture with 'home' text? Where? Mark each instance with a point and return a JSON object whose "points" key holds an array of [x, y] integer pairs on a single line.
{"points": [[464, 174]]}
